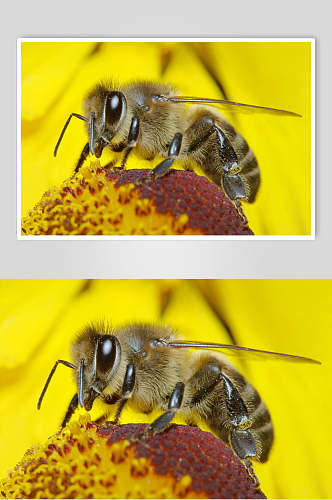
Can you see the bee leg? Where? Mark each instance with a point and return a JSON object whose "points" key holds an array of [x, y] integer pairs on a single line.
{"points": [[234, 189], [240, 211], [110, 165], [127, 391], [109, 400], [233, 185], [162, 168], [251, 472], [103, 418], [132, 140], [222, 165], [240, 438], [82, 158], [71, 408], [161, 423], [232, 182]]}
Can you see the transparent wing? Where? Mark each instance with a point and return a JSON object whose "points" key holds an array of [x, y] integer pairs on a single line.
{"points": [[227, 105], [246, 351]]}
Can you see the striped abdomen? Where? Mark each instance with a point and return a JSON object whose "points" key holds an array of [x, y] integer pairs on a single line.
{"points": [[202, 145], [261, 426]]}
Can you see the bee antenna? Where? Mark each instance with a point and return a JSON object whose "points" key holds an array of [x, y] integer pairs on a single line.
{"points": [[64, 129], [66, 363], [80, 397], [92, 132]]}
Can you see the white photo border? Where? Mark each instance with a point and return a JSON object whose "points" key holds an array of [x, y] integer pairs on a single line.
{"points": [[312, 236]]}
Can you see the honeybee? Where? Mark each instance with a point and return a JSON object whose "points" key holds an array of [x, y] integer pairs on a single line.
{"points": [[148, 367], [152, 119]]}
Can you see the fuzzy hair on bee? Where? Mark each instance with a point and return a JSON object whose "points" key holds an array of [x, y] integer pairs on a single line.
{"points": [[154, 120], [150, 367]]}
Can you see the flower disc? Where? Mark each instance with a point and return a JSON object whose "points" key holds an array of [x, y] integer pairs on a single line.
{"points": [[98, 201], [91, 461]]}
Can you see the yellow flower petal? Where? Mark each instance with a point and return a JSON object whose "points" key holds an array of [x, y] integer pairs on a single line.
{"points": [[47, 62], [28, 312]]}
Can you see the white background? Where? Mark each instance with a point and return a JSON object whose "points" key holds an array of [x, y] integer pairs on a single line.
{"points": [[166, 258]]}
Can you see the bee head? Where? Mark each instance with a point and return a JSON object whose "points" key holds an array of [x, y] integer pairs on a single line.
{"points": [[97, 357], [102, 129]]}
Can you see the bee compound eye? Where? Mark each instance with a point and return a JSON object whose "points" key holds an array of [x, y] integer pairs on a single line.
{"points": [[114, 107], [106, 353]]}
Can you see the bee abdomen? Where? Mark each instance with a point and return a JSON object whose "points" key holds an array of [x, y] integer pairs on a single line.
{"points": [[264, 438], [249, 170], [260, 416], [261, 427], [250, 174], [216, 146], [258, 412]]}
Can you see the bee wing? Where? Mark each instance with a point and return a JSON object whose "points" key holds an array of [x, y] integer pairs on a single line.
{"points": [[227, 104], [247, 351]]}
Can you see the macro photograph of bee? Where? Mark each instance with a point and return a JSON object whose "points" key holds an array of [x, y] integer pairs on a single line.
{"points": [[147, 366], [226, 399], [159, 152]]}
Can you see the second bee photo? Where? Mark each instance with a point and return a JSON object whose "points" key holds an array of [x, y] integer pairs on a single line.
{"points": [[164, 138], [165, 388]]}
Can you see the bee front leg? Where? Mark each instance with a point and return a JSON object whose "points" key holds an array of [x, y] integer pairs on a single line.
{"points": [[127, 391], [132, 140], [71, 408], [83, 157], [109, 400], [162, 168], [162, 422]]}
